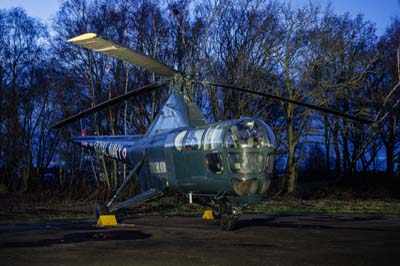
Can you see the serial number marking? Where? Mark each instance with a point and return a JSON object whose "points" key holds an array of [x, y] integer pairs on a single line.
{"points": [[158, 167], [116, 151]]}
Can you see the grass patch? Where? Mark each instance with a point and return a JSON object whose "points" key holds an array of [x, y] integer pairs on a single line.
{"points": [[328, 206], [40, 211], [24, 209]]}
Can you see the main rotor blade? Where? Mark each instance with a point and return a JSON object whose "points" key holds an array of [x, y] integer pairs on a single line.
{"points": [[108, 103], [93, 42], [311, 106]]}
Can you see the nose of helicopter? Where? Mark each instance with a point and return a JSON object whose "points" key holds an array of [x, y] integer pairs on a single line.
{"points": [[244, 186], [249, 144]]}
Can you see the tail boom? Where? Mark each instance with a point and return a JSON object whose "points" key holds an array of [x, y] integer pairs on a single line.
{"points": [[114, 147]]}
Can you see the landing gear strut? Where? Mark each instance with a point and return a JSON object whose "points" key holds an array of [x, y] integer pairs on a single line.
{"points": [[229, 218], [227, 214], [100, 209]]}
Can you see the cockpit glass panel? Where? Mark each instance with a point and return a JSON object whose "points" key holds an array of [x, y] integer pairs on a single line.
{"points": [[246, 134], [193, 139], [179, 140], [213, 138], [271, 136], [245, 162]]}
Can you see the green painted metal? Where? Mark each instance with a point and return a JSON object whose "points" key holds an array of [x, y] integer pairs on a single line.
{"points": [[228, 164], [194, 157]]}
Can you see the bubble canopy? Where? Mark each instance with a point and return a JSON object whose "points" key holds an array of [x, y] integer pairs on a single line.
{"points": [[241, 151], [244, 141], [249, 133], [235, 134]]}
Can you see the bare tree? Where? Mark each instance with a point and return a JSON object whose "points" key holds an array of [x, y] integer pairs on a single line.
{"points": [[385, 83], [345, 60], [22, 51], [303, 54]]}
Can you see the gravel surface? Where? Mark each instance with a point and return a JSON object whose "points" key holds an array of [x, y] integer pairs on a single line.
{"points": [[291, 239]]}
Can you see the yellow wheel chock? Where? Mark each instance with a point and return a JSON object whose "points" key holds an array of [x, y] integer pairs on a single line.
{"points": [[106, 220], [208, 215]]}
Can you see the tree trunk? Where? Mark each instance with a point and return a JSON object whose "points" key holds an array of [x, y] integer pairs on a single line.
{"points": [[390, 147], [390, 159], [291, 162], [106, 177], [2, 181], [345, 148], [327, 143], [336, 148]]}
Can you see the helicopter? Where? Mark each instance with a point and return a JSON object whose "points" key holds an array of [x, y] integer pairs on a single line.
{"points": [[225, 165]]}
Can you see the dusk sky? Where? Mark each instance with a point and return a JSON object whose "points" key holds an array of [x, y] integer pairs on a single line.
{"points": [[378, 11]]}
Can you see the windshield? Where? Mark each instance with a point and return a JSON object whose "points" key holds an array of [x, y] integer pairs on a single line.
{"points": [[246, 134], [245, 162]]}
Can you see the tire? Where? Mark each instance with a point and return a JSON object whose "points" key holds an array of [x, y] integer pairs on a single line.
{"points": [[228, 222], [100, 209], [218, 209]]}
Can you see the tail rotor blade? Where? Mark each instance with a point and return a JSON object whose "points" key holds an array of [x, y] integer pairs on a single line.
{"points": [[311, 106]]}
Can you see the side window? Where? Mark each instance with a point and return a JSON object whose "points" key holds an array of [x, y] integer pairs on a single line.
{"points": [[179, 140], [193, 140], [214, 163], [213, 138]]}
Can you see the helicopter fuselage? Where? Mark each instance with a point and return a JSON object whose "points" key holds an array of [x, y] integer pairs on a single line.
{"points": [[229, 163], [232, 158]]}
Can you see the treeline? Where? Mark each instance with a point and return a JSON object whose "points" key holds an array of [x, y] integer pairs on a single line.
{"points": [[307, 54]]}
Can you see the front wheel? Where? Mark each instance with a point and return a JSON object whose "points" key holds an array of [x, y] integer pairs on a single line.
{"points": [[228, 222], [218, 208]]}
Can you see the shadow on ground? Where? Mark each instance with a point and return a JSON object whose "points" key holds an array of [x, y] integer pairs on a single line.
{"points": [[81, 237], [312, 222]]}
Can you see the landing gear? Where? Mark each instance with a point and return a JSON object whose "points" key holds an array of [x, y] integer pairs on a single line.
{"points": [[229, 218], [217, 209], [100, 209], [227, 214], [228, 222]]}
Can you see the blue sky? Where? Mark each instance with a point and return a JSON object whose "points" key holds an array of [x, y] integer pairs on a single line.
{"points": [[378, 11], [43, 9]]}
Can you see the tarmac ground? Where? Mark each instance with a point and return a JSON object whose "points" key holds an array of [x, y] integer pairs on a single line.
{"points": [[284, 239]]}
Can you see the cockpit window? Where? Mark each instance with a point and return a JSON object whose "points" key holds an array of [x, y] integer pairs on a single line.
{"points": [[245, 162], [214, 163], [245, 134], [213, 138], [179, 140], [271, 136], [193, 139]]}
